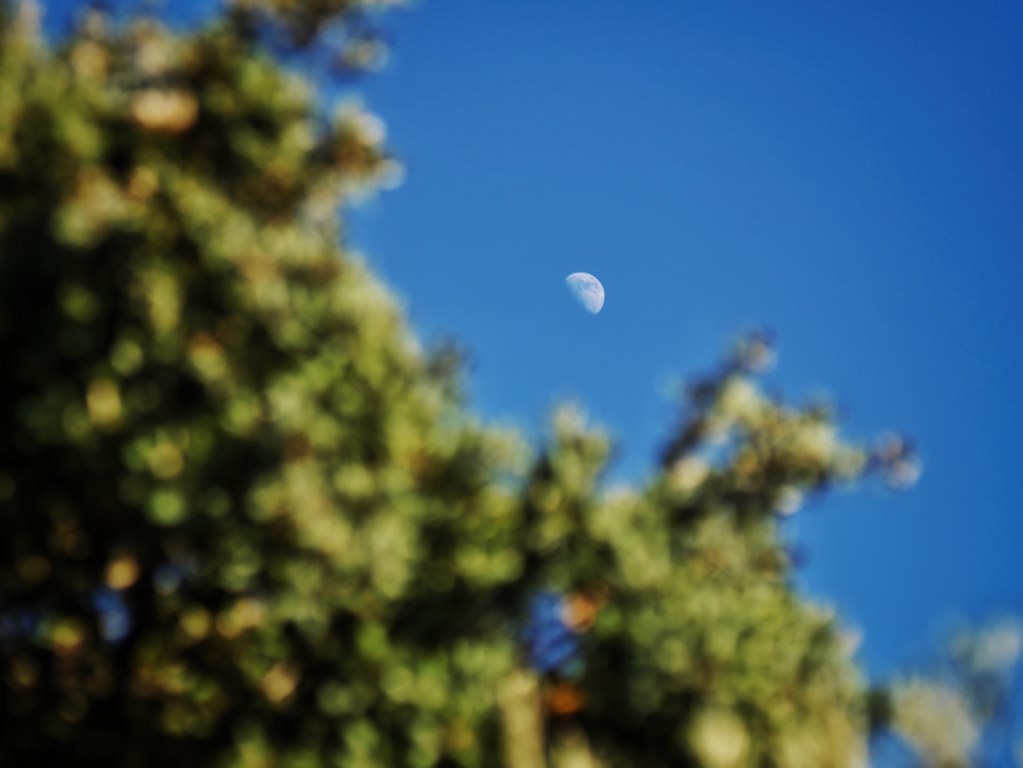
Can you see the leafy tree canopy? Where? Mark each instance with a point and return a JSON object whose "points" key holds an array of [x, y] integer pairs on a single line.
{"points": [[247, 521]]}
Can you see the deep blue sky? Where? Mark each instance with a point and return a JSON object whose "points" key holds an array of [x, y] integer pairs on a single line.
{"points": [[849, 175]]}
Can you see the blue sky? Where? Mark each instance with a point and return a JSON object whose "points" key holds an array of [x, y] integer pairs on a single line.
{"points": [[848, 175]]}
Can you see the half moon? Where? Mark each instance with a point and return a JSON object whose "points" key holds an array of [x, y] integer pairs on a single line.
{"points": [[587, 290]]}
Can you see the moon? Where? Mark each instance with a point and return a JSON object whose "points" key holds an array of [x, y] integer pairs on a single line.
{"points": [[587, 289]]}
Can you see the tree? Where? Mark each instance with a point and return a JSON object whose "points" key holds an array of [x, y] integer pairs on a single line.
{"points": [[247, 521]]}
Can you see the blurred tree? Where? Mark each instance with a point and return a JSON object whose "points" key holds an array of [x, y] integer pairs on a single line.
{"points": [[246, 521]]}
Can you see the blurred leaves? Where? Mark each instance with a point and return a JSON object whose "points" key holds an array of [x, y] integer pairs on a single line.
{"points": [[248, 521]]}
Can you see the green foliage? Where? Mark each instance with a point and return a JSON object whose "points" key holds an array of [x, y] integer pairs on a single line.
{"points": [[218, 432]]}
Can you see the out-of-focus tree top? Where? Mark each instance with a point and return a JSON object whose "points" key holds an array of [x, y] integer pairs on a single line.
{"points": [[247, 521]]}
